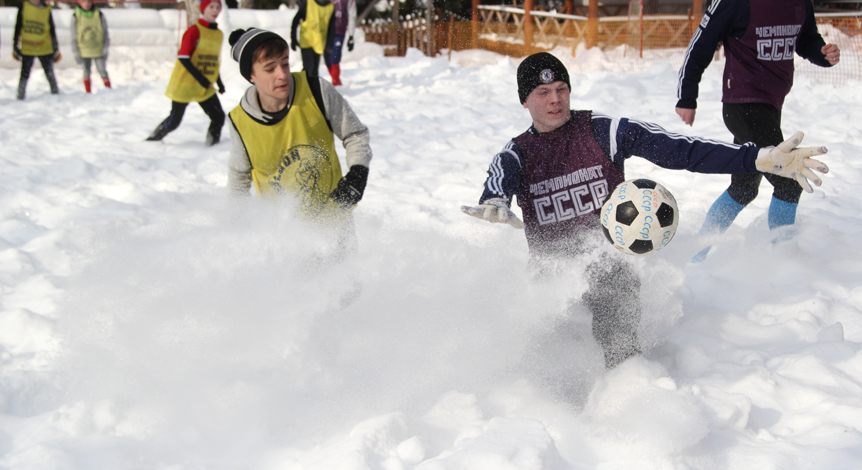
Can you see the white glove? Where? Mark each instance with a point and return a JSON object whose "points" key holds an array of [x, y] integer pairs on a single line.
{"points": [[790, 162], [495, 210]]}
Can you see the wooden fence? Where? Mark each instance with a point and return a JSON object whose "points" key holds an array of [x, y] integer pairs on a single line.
{"points": [[397, 38]]}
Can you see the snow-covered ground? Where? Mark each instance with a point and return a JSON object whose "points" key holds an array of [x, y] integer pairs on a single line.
{"points": [[148, 321]]}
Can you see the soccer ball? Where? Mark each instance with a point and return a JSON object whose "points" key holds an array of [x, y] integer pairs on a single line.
{"points": [[639, 217]]}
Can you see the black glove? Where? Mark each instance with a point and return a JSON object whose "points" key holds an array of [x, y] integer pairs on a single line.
{"points": [[220, 88], [351, 187], [350, 43], [293, 45], [16, 53]]}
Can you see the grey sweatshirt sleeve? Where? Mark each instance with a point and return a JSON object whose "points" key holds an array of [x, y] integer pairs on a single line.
{"points": [[238, 166], [107, 35], [346, 126], [351, 17]]}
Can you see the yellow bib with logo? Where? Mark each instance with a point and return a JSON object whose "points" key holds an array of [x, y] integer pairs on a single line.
{"points": [[295, 156], [183, 88], [312, 31], [35, 32], [91, 37]]}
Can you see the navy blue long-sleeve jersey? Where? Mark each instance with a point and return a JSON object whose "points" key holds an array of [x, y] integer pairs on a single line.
{"points": [[621, 138]]}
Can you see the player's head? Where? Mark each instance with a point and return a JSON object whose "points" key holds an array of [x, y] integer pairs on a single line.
{"points": [[85, 4], [210, 9], [540, 69], [254, 46], [263, 60], [543, 86]]}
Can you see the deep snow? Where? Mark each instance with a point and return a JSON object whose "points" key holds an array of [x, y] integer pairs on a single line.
{"points": [[149, 321]]}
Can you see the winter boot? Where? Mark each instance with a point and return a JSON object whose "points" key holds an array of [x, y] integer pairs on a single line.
{"points": [[22, 90], [335, 73], [87, 87], [160, 131], [213, 136], [107, 82]]}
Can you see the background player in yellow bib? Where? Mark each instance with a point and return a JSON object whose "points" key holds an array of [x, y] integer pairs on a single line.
{"points": [[314, 21], [283, 131], [35, 37], [195, 71], [90, 41]]}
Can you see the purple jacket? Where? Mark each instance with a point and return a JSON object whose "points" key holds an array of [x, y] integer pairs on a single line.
{"points": [[760, 38], [345, 17]]}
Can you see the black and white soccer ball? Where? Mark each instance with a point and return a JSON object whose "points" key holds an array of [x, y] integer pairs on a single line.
{"points": [[640, 217]]}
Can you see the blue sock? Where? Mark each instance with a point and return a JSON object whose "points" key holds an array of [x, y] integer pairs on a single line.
{"points": [[722, 213], [718, 218], [781, 213]]}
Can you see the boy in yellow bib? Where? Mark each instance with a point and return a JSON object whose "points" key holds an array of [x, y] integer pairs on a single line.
{"points": [[283, 132], [35, 38], [195, 72], [90, 41]]}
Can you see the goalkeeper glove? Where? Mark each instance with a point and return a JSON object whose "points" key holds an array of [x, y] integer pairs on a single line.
{"points": [[791, 162], [494, 210]]}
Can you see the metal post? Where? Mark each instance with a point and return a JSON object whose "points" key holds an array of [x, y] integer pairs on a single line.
{"points": [[474, 24]]}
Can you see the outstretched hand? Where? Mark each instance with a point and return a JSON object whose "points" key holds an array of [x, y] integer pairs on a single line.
{"points": [[494, 210], [791, 162]]}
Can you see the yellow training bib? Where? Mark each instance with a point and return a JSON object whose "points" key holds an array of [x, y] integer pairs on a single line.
{"points": [[183, 88], [312, 31], [35, 30], [91, 37], [295, 156]]}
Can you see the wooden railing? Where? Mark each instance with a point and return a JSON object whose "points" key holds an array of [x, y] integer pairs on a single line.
{"points": [[507, 24], [512, 31]]}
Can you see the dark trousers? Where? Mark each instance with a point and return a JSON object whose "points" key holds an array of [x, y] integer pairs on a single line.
{"points": [[759, 123], [335, 56], [47, 62], [310, 61], [212, 108], [613, 299]]}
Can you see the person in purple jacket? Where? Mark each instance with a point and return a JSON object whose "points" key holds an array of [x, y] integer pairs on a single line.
{"points": [[760, 38], [567, 163], [345, 24]]}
